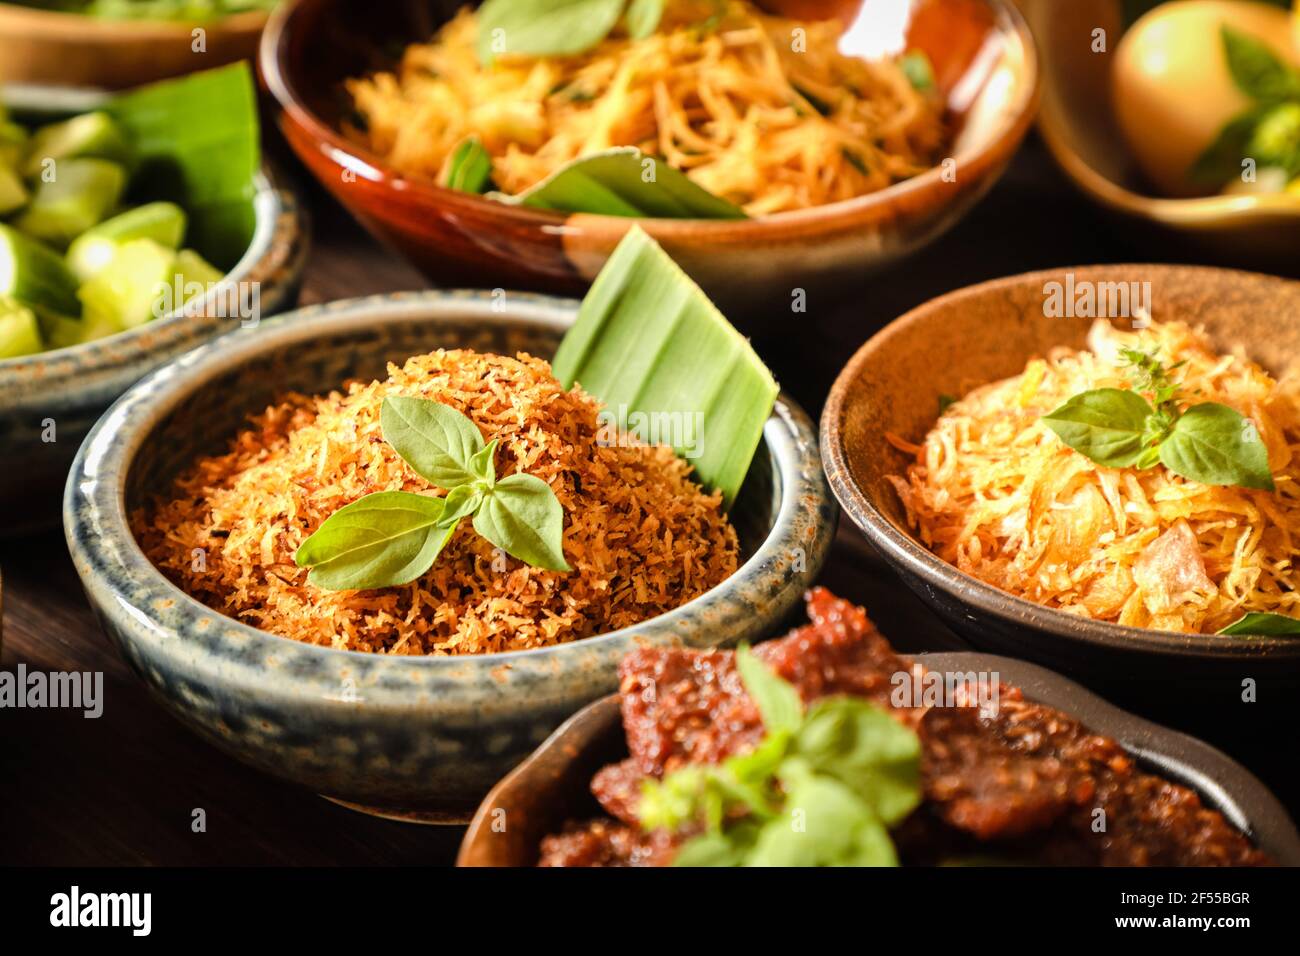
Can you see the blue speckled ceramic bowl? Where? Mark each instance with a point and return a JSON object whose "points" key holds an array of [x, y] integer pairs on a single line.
{"points": [[397, 732], [60, 394]]}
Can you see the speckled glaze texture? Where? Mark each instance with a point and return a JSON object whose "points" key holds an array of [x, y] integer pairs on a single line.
{"points": [[310, 48], [388, 731], [553, 785], [988, 332], [72, 387]]}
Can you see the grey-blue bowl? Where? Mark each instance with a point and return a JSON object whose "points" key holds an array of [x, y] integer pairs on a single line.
{"points": [[397, 732], [49, 401]]}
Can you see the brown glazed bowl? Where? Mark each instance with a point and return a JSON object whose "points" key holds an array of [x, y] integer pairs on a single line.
{"points": [[553, 785], [983, 56], [50, 46], [990, 331], [1080, 131]]}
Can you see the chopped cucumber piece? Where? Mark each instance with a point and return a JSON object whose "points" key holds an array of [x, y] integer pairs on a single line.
{"points": [[19, 333], [90, 134], [13, 144], [13, 194], [59, 331], [192, 267], [34, 274], [81, 194], [134, 288], [163, 222]]}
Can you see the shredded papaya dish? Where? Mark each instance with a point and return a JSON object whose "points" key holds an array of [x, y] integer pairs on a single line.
{"points": [[762, 111], [994, 492], [640, 537]]}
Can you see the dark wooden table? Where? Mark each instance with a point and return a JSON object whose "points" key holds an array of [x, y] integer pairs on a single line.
{"points": [[122, 789]]}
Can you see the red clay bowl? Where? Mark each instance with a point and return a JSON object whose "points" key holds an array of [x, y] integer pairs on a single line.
{"points": [[984, 60]]}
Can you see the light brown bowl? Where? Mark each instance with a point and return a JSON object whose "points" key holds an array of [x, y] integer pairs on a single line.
{"points": [[984, 59], [44, 46], [988, 332], [1079, 129]]}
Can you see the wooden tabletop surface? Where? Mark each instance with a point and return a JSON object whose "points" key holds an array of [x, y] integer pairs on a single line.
{"points": [[123, 788]]}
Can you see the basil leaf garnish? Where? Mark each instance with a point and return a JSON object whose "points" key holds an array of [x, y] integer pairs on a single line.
{"points": [[1217, 445], [643, 17], [1221, 160], [522, 516], [434, 439], [865, 749], [1106, 424], [392, 537], [777, 700], [1262, 624], [469, 168], [916, 67], [382, 540], [544, 27], [845, 769], [1256, 70]]}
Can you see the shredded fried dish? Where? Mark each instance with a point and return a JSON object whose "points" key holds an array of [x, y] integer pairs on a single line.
{"points": [[640, 535], [762, 111], [994, 492]]}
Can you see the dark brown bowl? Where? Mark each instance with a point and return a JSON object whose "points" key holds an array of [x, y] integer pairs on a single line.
{"points": [[552, 786], [987, 332], [311, 46]]}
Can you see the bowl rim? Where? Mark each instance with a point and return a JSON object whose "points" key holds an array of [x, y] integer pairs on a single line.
{"points": [[61, 24], [903, 550], [1008, 20], [1234, 790], [97, 477]]}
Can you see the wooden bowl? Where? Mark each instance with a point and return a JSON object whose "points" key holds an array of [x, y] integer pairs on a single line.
{"points": [[1080, 130], [988, 332], [983, 56], [553, 785], [45, 46]]}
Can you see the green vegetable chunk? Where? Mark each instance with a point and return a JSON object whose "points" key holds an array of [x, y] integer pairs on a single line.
{"points": [[163, 222], [19, 332], [134, 288], [35, 275], [81, 194], [88, 135], [667, 365], [13, 194], [13, 144]]}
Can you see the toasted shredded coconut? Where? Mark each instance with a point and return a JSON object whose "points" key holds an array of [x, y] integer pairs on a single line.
{"points": [[994, 492], [639, 534]]}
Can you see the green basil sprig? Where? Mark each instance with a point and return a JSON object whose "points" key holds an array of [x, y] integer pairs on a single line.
{"points": [[390, 538], [1209, 442], [1259, 623], [1269, 129], [559, 27], [820, 789], [469, 168]]}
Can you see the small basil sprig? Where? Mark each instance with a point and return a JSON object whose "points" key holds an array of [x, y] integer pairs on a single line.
{"points": [[390, 538], [1209, 442], [820, 789], [1269, 129], [1261, 624], [559, 27]]}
